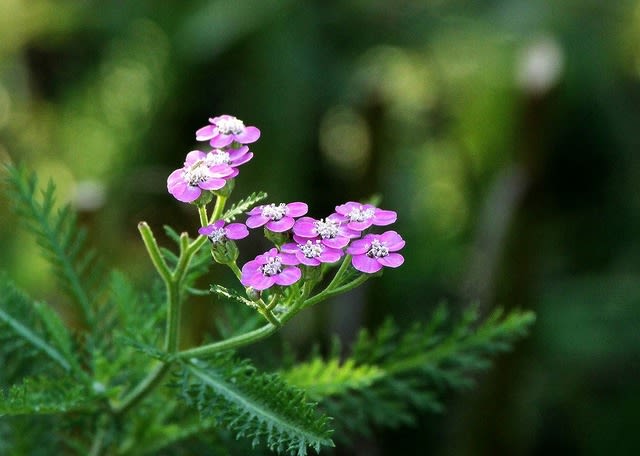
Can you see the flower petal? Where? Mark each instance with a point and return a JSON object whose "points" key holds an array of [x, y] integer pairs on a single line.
{"points": [[248, 136], [359, 247], [205, 133], [212, 184], [393, 260], [366, 264], [297, 209], [288, 276], [336, 242], [186, 193], [280, 226], [193, 157], [305, 227], [221, 140], [383, 217], [236, 231], [255, 221], [259, 281], [392, 240]]}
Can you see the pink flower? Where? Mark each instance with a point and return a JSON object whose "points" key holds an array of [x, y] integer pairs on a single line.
{"points": [[270, 268], [215, 157], [374, 251], [329, 230], [313, 253], [361, 216], [186, 184], [217, 232], [276, 218], [226, 129]]}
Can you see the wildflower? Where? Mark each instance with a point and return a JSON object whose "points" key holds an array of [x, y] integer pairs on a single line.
{"points": [[186, 184], [225, 129], [374, 251], [231, 157], [312, 253], [270, 268], [217, 232], [361, 216], [277, 218], [329, 230]]}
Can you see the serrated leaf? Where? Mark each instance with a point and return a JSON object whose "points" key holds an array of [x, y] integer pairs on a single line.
{"points": [[243, 206], [44, 396], [254, 405]]}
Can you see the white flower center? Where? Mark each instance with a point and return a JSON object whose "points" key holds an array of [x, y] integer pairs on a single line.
{"points": [[357, 214], [230, 125], [327, 229], [217, 157], [378, 249], [274, 212], [218, 235], [311, 249], [272, 267], [196, 173]]}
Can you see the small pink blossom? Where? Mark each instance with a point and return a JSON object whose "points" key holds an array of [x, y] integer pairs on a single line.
{"points": [[359, 216], [330, 231], [270, 268], [277, 218], [218, 232], [374, 251], [225, 129], [313, 253], [186, 184]]}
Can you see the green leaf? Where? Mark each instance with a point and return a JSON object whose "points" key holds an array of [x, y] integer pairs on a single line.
{"points": [[43, 396], [319, 378], [21, 323], [57, 233], [231, 294], [243, 206], [254, 405]]}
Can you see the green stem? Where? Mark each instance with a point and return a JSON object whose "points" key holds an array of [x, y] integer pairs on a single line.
{"points": [[234, 267], [218, 208], [327, 293], [343, 267], [209, 350], [145, 386], [202, 212], [154, 251]]}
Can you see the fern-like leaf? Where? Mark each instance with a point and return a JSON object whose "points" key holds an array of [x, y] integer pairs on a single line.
{"points": [[57, 233], [320, 378], [409, 368], [22, 318], [44, 396], [243, 206], [257, 406], [231, 295]]}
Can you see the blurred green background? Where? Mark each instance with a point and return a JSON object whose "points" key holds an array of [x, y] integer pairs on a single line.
{"points": [[505, 134]]}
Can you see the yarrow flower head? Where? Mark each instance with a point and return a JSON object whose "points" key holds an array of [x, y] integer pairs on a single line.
{"points": [[276, 217], [270, 268], [330, 231], [374, 251], [186, 184], [217, 232], [361, 216], [230, 157], [225, 129], [313, 253]]}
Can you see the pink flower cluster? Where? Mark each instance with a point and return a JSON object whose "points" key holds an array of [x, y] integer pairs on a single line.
{"points": [[301, 241], [210, 170], [317, 241]]}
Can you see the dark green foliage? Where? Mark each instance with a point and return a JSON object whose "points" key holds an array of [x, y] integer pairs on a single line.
{"points": [[405, 371], [84, 377], [257, 406], [62, 242]]}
